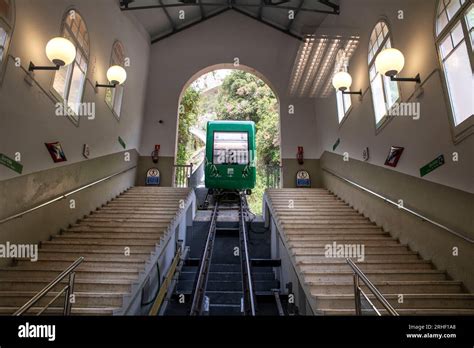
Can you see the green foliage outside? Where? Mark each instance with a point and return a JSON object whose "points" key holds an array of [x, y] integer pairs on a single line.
{"points": [[188, 117], [244, 97], [241, 97]]}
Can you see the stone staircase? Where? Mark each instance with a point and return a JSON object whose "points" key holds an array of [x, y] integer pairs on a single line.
{"points": [[137, 219], [309, 220]]}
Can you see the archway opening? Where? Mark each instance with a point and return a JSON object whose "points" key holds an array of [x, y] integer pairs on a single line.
{"points": [[225, 92]]}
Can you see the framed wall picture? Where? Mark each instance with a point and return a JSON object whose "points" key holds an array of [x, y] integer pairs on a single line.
{"points": [[56, 151], [394, 156]]}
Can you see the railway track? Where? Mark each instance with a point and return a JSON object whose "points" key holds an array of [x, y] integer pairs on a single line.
{"points": [[202, 294]]}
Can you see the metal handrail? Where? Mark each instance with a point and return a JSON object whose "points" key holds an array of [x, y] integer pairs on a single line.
{"points": [[68, 289], [410, 211], [204, 267], [248, 280], [181, 174], [359, 275], [83, 187]]}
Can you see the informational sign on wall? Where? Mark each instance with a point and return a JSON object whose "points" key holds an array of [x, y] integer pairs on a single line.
{"points": [[56, 152], [434, 164], [303, 179], [153, 177], [10, 163], [334, 147]]}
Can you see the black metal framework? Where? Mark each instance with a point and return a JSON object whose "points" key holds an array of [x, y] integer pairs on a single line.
{"points": [[98, 85], [33, 67], [416, 79], [356, 93], [331, 8]]}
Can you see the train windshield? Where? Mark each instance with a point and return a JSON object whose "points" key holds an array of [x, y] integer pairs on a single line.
{"points": [[231, 148]]}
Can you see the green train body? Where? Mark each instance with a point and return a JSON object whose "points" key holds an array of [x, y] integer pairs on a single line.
{"points": [[230, 155]]}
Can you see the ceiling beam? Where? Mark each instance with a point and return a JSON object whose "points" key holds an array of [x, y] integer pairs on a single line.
{"points": [[292, 21], [124, 6], [173, 26], [268, 24], [190, 25]]}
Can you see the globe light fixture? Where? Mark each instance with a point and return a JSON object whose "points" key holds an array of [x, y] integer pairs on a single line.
{"points": [[390, 62], [342, 81], [116, 76], [60, 51]]}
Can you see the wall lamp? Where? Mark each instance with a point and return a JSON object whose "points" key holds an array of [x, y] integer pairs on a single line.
{"points": [[60, 52], [342, 81], [116, 75], [390, 62]]}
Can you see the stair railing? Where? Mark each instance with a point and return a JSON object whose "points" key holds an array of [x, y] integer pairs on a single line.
{"points": [[68, 290], [403, 208], [358, 276], [83, 187], [182, 174]]}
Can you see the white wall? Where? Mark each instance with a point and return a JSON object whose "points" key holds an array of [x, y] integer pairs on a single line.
{"points": [[219, 40], [424, 139], [27, 115]]}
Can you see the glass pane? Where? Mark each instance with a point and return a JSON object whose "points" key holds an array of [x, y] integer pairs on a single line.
{"points": [[340, 106], [109, 97], [60, 81], [470, 17], [3, 36], [75, 92], [442, 22], [347, 102], [446, 46], [378, 98], [230, 148], [391, 91], [118, 100], [457, 34], [453, 8], [459, 77]]}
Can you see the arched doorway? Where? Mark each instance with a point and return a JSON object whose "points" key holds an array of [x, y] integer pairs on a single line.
{"points": [[228, 92]]}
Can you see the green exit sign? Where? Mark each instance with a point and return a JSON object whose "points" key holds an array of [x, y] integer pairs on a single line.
{"points": [[436, 163], [10, 163]]}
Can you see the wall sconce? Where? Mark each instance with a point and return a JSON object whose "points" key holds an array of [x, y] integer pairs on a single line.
{"points": [[116, 75], [342, 81], [390, 62], [60, 52]]}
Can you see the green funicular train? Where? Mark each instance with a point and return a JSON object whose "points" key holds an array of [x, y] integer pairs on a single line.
{"points": [[230, 156]]}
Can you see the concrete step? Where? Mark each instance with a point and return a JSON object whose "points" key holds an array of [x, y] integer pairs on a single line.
{"points": [[57, 240], [122, 223], [318, 258], [93, 254], [426, 301], [106, 251], [397, 249], [82, 299], [338, 265], [85, 228], [326, 240], [81, 285], [115, 235], [90, 273], [407, 312], [389, 287], [118, 248], [347, 276], [57, 311], [305, 229], [122, 263]]}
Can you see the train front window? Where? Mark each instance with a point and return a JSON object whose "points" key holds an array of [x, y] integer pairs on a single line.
{"points": [[231, 148]]}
